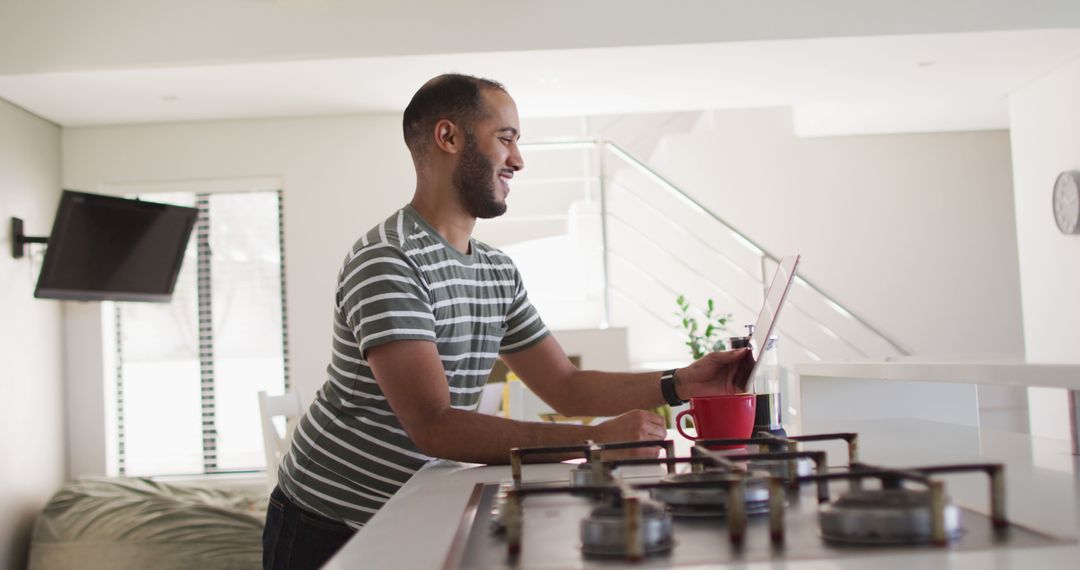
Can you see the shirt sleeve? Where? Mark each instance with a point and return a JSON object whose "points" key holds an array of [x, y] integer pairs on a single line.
{"points": [[524, 327], [383, 298]]}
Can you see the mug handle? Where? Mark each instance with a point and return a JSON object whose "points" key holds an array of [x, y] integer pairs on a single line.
{"points": [[678, 424]]}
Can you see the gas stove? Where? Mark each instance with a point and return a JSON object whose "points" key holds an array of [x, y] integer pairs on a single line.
{"points": [[766, 500]]}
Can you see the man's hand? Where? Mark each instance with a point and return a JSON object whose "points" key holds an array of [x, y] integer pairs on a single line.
{"points": [[635, 425], [715, 373]]}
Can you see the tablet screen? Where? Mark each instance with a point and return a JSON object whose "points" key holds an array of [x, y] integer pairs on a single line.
{"points": [[774, 300]]}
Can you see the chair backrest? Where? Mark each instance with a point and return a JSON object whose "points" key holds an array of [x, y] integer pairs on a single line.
{"points": [[491, 398], [275, 443]]}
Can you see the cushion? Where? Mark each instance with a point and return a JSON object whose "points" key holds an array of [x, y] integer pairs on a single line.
{"points": [[141, 523]]}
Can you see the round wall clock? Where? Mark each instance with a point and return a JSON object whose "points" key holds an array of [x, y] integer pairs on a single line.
{"points": [[1067, 202]]}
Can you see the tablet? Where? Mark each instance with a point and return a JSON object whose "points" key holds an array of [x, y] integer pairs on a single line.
{"points": [[770, 310]]}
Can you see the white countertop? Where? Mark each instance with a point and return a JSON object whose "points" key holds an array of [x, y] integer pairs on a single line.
{"points": [[1001, 373], [416, 527]]}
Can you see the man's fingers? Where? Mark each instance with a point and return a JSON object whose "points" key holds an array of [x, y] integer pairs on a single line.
{"points": [[653, 426], [730, 356], [742, 374]]}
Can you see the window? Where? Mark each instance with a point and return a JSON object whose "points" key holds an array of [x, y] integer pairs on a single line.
{"points": [[187, 372]]}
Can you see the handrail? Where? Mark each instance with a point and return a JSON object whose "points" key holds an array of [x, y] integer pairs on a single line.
{"points": [[834, 304], [694, 204]]}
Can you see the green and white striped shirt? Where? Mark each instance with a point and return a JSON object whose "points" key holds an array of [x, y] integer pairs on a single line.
{"points": [[401, 281]]}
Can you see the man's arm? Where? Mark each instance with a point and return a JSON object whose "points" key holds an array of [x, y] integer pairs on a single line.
{"points": [[545, 368], [411, 376]]}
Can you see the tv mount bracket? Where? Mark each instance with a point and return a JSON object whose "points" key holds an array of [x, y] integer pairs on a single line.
{"points": [[19, 239]]}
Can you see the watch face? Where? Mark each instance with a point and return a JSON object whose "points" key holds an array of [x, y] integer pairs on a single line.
{"points": [[1067, 202]]}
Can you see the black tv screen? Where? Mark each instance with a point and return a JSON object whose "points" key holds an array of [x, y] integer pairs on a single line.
{"points": [[109, 248]]}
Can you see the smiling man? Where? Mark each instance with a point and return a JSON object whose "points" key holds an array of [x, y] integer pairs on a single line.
{"points": [[422, 312]]}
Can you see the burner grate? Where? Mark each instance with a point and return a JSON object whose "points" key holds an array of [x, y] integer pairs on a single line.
{"points": [[934, 510], [635, 519]]}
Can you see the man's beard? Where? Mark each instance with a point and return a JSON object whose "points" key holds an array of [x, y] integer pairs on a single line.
{"points": [[474, 178]]}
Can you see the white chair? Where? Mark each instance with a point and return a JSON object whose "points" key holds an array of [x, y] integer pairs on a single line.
{"points": [[491, 399], [276, 444]]}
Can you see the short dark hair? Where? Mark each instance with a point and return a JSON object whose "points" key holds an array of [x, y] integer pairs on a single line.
{"points": [[451, 96]]}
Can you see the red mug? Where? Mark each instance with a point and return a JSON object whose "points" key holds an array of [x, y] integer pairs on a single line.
{"points": [[720, 417]]}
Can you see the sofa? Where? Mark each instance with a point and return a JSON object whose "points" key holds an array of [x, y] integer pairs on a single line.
{"points": [[122, 523]]}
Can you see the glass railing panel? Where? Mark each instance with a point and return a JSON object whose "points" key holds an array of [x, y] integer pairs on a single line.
{"points": [[698, 274], [842, 322], [639, 197], [648, 293], [797, 326], [646, 191], [671, 234]]}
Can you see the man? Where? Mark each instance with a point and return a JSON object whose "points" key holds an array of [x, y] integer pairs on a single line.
{"points": [[422, 312]]}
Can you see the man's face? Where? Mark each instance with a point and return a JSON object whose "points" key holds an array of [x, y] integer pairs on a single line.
{"points": [[489, 158]]}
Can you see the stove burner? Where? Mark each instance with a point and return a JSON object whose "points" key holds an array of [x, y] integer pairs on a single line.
{"points": [[885, 516], [711, 501], [604, 533]]}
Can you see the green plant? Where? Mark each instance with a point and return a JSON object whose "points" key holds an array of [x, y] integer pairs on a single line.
{"points": [[702, 341]]}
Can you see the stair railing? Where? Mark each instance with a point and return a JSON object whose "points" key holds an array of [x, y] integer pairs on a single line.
{"points": [[659, 181]]}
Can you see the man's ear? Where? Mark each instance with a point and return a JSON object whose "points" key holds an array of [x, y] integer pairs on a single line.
{"points": [[448, 136]]}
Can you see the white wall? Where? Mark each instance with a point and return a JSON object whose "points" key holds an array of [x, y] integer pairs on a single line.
{"points": [[340, 176], [1046, 140], [87, 362], [31, 410], [891, 226]]}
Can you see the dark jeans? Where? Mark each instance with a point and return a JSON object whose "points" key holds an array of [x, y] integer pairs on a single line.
{"points": [[295, 539]]}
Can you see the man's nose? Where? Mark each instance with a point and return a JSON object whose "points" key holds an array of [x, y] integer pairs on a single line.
{"points": [[514, 160]]}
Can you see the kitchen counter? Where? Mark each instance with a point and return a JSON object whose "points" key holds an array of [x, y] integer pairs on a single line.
{"points": [[994, 373], [416, 527], [974, 393]]}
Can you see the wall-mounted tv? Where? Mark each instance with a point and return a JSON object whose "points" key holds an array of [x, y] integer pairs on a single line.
{"points": [[108, 248]]}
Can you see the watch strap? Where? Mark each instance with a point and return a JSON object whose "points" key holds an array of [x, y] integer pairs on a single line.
{"points": [[667, 388]]}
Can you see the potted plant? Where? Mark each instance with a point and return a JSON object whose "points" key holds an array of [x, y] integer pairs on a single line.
{"points": [[702, 340], [702, 337]]}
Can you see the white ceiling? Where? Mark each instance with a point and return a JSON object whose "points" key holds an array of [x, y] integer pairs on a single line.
{"points": [[38, 36], [839, 85]]}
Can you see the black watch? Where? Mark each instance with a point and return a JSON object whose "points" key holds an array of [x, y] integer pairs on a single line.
{"points": [[667, 388]]}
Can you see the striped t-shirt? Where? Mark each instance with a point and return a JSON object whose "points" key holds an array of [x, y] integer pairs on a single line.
{"points": [[401, 281]]}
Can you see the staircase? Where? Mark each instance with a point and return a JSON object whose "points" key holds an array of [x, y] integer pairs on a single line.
{"points": [[603, 240]]}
